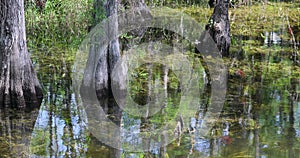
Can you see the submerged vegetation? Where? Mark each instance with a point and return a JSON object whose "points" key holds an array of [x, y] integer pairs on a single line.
{"points": [[261, 111]]}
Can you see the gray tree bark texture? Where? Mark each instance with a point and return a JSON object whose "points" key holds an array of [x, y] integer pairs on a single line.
{"points": [[111, 54], [19, 86], [219, 27], [97, 72]]}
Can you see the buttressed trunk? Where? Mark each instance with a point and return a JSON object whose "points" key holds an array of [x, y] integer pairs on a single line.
{"points": [[19, 85], [109, 53]]}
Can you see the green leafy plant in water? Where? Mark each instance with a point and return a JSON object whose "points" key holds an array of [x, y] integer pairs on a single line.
{"points": [[58, 23]]}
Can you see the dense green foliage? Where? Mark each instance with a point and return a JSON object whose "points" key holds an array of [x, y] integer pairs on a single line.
{"points": [[60, 23]]}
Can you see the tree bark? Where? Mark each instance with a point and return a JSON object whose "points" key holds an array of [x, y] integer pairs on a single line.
{"points": [[98, 73], [19, 86], [111, 54], [219, 27], [212, 3], [102, 56]]}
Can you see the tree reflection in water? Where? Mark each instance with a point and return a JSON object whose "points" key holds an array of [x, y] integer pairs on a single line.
{"points": [[260, 118]]}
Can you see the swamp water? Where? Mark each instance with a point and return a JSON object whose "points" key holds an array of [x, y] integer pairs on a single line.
{"points": [[260, 116]]}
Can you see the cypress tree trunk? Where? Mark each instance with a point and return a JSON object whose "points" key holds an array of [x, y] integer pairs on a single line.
{"points": [[18, 81], [111, 54], [219, 27], [212, 3]]}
